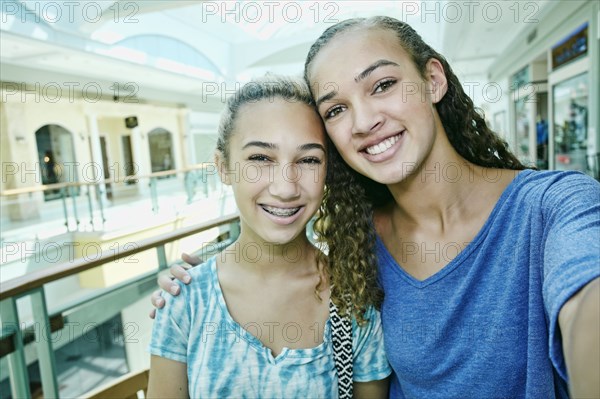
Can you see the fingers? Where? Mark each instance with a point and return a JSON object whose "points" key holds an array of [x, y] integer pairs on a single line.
{"points": [[180, 274], [192, 260], [157, 301], [166, 284], [156, 298]]}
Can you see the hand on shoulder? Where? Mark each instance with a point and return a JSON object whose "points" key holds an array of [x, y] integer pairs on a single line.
{"points": [[167, 283]]}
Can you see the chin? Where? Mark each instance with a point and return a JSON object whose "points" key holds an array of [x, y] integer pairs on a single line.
{"points": [[386, 178], [282, 239]]}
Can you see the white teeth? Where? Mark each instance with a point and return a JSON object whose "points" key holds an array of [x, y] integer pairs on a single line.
{"points": [[282, 212], [383, 146]]}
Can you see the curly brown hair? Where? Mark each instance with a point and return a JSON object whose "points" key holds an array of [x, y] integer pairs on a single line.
{"points": [[344, 224], [350, 198]]}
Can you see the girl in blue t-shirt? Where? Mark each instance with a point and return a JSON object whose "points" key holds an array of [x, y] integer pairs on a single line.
{"points": [[255, 321], [489, 271]]}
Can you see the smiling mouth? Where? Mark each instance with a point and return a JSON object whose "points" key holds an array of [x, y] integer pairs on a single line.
{"points": [[383, 146], [281, 212]]}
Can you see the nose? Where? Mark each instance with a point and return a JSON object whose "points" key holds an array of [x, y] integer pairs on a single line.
{"points": [[285, 182], [365, 118]]}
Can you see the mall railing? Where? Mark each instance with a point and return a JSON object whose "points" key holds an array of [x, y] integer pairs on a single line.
{"points": [[51, 319], [86, 205]]}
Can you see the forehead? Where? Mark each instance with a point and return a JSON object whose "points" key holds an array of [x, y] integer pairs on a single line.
{"points": [[278, 120], [353, 51]]}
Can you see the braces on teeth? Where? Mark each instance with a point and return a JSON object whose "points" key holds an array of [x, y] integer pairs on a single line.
{"points": [[280, 211]]}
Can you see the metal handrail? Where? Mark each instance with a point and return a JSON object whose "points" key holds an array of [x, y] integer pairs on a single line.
{"points": [[85, 203], [32, 285], [56, 186], [38, 278]]}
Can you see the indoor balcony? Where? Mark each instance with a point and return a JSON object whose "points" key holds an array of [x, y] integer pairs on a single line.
{"points": [[78, 262]]}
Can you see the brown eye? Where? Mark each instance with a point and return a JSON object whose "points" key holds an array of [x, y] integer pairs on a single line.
{"points": [[311, 160], [332, 112], [384, 85], [259, 158]]}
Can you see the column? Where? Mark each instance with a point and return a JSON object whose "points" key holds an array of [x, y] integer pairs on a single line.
{"points": [[96, 148]]}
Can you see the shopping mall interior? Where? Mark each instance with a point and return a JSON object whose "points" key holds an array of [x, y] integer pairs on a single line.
{"points": [[108, 125]]}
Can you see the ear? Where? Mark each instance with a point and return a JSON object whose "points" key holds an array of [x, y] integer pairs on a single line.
{"points": [[222, 168], [436, 78]]}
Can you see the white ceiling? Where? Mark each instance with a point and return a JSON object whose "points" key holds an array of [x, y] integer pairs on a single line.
{"points": [[486, 28], [242, 38]]}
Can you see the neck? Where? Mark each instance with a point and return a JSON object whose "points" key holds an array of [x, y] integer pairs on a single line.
{"points": [[444, 189], [273, 259]]}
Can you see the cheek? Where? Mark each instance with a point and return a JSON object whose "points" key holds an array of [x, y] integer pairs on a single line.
{"points": [[312, 181], [313, 178], [319, 191], [342, 142], [340, 132], [250, 180], [321, 182]]}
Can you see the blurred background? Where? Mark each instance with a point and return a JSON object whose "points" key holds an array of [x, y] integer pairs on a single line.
{"points": [[108, 119]]}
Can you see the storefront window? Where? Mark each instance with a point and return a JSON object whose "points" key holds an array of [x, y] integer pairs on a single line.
{"points": [[161, 150], [570, 124], [522, 129], [541, 129]]}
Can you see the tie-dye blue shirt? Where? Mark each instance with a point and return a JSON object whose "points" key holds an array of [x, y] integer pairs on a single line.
{"points": [[225, 360]]}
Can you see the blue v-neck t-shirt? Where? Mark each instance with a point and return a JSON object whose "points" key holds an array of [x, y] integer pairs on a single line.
{"points": [[486, 324]]}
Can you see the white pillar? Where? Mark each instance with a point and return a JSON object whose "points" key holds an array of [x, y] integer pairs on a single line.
{"points": [[139, 145], [97, 156], [186, 145]]}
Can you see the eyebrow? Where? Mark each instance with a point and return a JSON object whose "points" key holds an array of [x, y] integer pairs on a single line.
{"points": [[271, 146], [311, 146], [372, 67], [261, 144], [358, 78], [326, 97]]}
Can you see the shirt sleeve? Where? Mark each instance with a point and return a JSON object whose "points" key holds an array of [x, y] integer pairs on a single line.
{"points": [[369, 360], [171, 328], [571, 254]]}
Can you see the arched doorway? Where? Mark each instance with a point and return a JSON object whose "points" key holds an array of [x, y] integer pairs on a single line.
{"points": [[56, 157], [161, 150]]}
